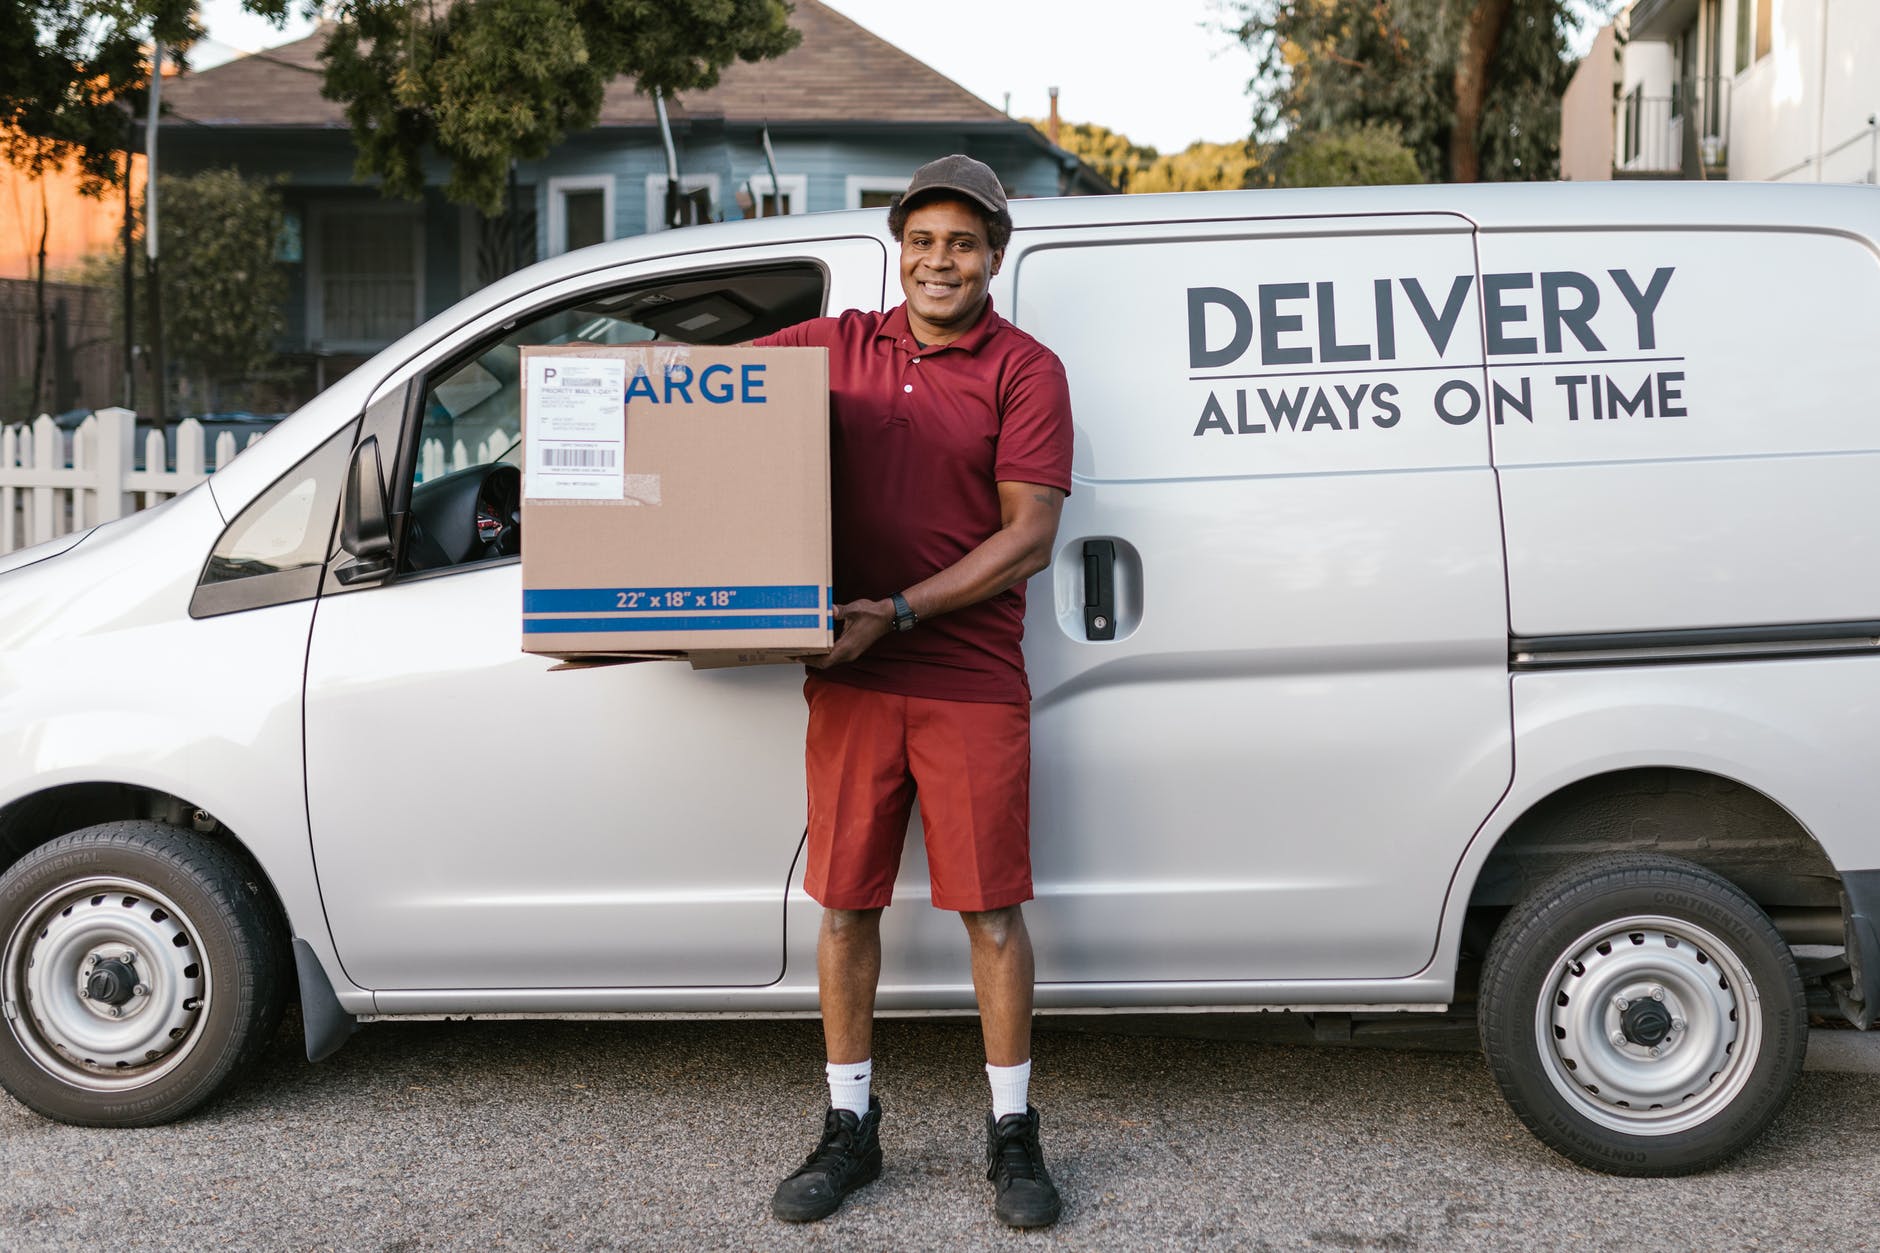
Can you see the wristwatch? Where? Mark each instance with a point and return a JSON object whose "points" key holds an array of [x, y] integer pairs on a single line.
{"points": [[904, 616]]}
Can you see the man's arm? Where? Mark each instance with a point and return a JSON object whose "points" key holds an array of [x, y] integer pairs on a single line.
{"points": [[1028, 522]]}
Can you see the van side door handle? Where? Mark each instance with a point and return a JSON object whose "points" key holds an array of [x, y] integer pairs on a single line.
{"points": [[1099, 589]]}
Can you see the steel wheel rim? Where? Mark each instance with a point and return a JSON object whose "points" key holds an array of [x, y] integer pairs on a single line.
{"points": [[47, 966], [1619, 1082]]}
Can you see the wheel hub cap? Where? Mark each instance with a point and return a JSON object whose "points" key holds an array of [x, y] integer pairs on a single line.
{"points": [[1649, 1024], [111, 982], [106, 984], [1645, 1023]]}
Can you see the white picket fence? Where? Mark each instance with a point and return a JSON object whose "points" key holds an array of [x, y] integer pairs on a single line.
{"points": [[45, 493], [433, 462]]}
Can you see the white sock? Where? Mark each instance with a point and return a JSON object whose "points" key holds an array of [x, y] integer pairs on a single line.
{"points": [[848, 1085], [1009, 1087]]}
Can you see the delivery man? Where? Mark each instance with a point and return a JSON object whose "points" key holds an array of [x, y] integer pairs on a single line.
{"points": [[950, 458]]}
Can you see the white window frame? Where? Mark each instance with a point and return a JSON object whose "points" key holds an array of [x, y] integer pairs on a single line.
{"points": [[795, 186], [856, 184], [317, 214], [656, 196], [558, 189]]}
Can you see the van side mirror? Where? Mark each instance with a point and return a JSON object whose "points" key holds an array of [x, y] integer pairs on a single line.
{"points": [[365, 530]]}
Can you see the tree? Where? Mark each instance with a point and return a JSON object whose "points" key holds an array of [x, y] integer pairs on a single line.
{"points": [[483, 82], [1351, 156], [69, 69], [1472, 86], [1133, 167], [1106, 151], [1201, 166], [223, 290]]}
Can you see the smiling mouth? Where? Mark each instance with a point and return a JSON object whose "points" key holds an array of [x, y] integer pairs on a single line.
{"points": [[939, 290]]}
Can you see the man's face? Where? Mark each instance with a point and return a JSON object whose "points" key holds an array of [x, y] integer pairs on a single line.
{"points": [[946, 263]]}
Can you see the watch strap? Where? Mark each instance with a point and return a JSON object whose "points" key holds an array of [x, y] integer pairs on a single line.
{"points": [[904, 616]]}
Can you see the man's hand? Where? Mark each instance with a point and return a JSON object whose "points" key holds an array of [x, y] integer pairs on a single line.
{"points": [[859, 624]]}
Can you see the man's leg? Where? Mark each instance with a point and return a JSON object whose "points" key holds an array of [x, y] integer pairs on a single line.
{"points": [[972, 764], [1002, 980], [848, 966], [1023, 1192], [859, 798]]}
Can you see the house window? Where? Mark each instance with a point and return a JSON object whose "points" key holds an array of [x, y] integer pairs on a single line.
{"points": [[1634, 106], [699, 204], [1754, 19], [580, 212], [1710, 89], [787, 195], [367, 273], [868, 192]]}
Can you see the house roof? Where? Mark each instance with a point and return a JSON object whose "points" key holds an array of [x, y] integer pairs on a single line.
{"points": [[840, 72]]}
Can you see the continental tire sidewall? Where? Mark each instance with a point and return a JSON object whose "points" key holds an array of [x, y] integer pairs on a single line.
{"points": [[1519, 973], [244, 999]]}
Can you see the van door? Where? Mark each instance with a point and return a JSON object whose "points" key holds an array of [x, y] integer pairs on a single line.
{"points": [[1260, 757], [482, 820]]}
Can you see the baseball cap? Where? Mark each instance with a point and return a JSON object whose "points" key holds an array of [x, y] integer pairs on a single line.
{"points": [[959, 173]]}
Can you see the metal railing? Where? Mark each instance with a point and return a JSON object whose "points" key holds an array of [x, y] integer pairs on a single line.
{"points": [[1685, 133]]}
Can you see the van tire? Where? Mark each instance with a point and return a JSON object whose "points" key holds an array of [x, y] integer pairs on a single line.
{"points": [[142, 968], [1599, 965]]}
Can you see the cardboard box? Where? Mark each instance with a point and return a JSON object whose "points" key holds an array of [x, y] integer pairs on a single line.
{"points": [[675, 501]]}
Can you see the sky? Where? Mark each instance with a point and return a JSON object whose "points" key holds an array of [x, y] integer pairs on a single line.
{"points": [[1163, 72], [1165, 80]]}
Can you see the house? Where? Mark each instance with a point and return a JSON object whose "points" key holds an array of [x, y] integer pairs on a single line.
{"points": [[849, 117], [82, 365], [1778, 90]]}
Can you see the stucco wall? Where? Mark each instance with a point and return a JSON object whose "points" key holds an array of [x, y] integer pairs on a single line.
{"points": [[1586, 131], [1803, 112]]}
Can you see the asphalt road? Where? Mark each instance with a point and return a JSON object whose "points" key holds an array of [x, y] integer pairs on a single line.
{"points": [[647, 1135]]}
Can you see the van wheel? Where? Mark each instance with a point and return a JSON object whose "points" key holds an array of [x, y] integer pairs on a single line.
{"points": [[141, 970], [1642, 1016]]}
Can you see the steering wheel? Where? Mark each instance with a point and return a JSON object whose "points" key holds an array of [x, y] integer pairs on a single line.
{"points": [[499, 512]]}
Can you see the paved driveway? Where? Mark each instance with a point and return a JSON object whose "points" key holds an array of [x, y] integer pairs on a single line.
{"points": [[637, 1135]]}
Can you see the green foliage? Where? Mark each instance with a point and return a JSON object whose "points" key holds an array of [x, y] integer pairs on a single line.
{"points": [[1106, 151], [1201, 166], [69, 68], [223, 291], [1329, 65], [1350, 156], [1133, 167], [483, 81]]}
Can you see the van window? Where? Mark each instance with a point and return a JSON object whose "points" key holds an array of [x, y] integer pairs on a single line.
{"points": [[465, 485], [273, 551]]}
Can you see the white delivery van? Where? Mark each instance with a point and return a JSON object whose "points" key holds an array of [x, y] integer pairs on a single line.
{"points": [[1456, 580]]}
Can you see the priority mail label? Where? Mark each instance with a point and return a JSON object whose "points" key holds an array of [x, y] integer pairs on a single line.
{"points": [[576, 429]]}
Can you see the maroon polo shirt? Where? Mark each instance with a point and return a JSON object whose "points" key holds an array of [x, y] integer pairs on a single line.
{"points": [[920, 439]]}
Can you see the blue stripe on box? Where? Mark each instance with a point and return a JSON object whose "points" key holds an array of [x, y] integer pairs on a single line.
{"points": [[659, 599], [737, 622]]}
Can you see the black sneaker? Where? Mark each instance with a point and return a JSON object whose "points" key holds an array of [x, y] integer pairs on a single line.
{"points": [[1023, 1194], [848, 1157]]}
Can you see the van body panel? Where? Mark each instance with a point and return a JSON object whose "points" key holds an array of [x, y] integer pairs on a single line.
{"points": [[1310, 581], [626, 825], [1796, 731], [207, 711], [1700, 453], [623, 826]]}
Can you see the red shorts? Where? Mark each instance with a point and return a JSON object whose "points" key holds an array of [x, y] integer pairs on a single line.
{"points": [[867, 754]]}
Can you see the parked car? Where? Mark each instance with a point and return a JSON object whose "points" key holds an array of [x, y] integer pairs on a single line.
{"points": [[1453, 574]]}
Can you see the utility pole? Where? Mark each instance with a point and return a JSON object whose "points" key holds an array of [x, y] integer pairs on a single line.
{"points": [[157, 408], [129, 400]]}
